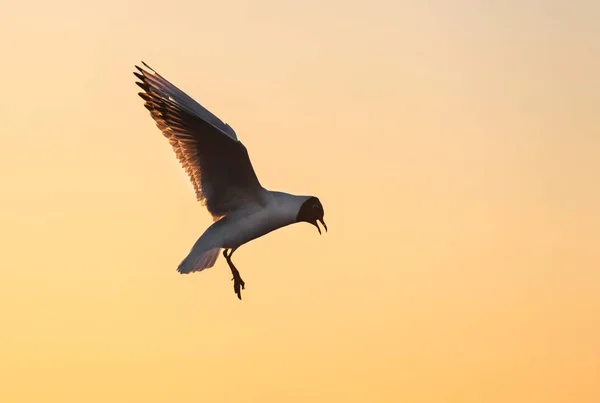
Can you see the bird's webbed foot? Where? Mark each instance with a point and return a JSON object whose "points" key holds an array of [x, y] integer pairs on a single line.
{"points": [[238, 283]]}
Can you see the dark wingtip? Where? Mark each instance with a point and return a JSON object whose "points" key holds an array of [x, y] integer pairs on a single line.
{"points": [[144, 96], [144, 63], [143, 86], [138, 75]]}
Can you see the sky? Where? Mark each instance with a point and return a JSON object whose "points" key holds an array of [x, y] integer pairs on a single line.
{"points": [[453, 144]]}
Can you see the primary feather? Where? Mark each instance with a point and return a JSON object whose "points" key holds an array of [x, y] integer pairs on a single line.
{"points": [[217, 163]]}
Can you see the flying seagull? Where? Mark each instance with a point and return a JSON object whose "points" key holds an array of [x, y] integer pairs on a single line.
{"points": [[225, 182]]}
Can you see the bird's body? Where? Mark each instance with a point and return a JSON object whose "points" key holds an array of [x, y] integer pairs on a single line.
{"points": [[242, 226], [219, 167]]}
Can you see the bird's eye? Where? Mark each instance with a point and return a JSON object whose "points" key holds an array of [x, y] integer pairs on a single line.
{"points": [[315, 207]]}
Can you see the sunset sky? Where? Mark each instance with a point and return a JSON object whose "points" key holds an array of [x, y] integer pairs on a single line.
{"points": [[455, 146]]}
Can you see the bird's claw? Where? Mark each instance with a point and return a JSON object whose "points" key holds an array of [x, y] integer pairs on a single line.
{"points": [[238, 285]]}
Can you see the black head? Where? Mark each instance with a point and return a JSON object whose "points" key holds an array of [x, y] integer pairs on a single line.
{"points": [[312, 211]]}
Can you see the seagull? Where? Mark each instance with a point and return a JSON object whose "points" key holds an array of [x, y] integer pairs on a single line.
{"points": [[220, 170]]}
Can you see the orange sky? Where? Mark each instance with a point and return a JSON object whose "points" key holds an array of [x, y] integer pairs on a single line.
{"points": [[454, 145]]}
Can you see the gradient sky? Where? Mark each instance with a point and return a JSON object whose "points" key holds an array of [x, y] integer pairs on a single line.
{"points": [[455, 147]]}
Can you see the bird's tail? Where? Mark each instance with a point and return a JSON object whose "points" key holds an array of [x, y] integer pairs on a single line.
{"points": [[198, 260]]}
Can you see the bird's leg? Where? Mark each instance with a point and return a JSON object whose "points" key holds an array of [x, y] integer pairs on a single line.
{"points": [[237, 280]]}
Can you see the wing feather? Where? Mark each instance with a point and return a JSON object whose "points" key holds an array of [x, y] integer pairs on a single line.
{"points": [[217, 163]]}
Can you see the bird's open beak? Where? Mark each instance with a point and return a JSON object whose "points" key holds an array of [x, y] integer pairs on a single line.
{"points": [[322, 223]]}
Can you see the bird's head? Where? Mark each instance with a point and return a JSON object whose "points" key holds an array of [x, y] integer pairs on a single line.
{"points": [[312, 211]]}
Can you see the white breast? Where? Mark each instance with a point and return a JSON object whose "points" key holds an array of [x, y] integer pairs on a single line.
{"points": [[238, 228]]}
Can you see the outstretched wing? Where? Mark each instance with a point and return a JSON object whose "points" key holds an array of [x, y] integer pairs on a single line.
{"points": [[216, 161]]}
